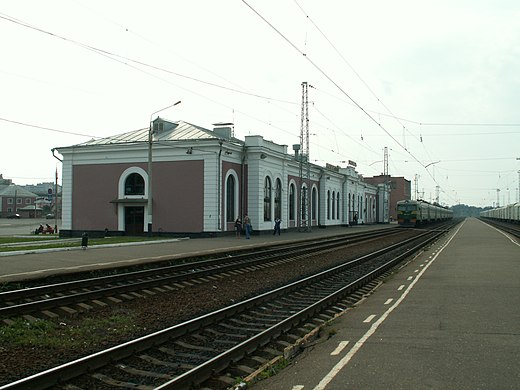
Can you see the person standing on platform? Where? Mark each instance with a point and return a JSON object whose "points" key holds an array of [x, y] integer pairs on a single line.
{"points": [[247, 225], [238, 226], [277, 222]]}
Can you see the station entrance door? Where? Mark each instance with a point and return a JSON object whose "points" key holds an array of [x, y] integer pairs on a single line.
{"points": [[134, 220]]}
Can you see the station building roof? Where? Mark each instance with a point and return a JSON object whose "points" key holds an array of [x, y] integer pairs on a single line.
{"points": [[165, 130]]}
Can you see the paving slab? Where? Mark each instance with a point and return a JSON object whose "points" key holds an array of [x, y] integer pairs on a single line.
{"points": [[449, 319]]}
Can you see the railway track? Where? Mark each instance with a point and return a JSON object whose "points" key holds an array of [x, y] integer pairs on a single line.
{"points": [[511, 228], [66, 298], [190, 353]]}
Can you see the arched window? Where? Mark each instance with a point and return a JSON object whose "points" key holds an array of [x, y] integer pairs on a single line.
{"points": [[328, 204], [267, 199], [333, 204], [230, 198], [304, 203], [278, 199], [350, 208], [292, 202], [314, 203], [337, 207], [134, 184]]}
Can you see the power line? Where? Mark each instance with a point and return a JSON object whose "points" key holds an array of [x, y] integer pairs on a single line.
{"points": [[347, 63], [115, 57], [47, 128], [326, 75], [122, 60]]}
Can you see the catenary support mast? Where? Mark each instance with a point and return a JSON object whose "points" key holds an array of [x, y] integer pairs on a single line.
{"points": [[304, 217]]}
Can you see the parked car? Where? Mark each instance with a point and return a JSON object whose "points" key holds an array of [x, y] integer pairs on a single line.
{"points": [[49, 216], [14, 216]]}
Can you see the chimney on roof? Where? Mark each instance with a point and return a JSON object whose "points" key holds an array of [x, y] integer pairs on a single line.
{"points": [[224, 130], [296, 148]]}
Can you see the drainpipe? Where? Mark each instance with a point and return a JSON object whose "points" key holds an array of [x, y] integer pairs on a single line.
{"points": [[242, 181], [56, 157], [345, 178], [219, 182], [318, 213], [55, 193]]}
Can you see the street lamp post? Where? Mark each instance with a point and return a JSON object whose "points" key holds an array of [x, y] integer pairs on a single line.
{"points": [[150, 141]]}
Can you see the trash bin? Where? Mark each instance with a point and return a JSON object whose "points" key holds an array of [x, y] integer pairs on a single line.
{"points": [[84, 240]]}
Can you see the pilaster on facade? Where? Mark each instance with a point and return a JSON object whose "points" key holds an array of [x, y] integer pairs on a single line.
{"points": [[211, 186], [66, 199], [255, 196]]}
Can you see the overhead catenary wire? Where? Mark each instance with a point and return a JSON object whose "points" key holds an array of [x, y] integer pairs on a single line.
{"points": [[307, 57], [348, 64], [122, 59], [328, 77]]}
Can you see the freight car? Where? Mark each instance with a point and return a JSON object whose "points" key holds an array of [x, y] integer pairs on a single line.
{"points": [[509, 213], [419, 212]]}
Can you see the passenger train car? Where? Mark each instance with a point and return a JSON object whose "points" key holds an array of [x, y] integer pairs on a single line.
{"points": [[418, 212], [509, 213]]}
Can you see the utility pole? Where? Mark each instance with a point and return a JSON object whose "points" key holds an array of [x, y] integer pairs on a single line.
{"points": [[388, 182], [518, 195], [304, 219], [498, 197]]}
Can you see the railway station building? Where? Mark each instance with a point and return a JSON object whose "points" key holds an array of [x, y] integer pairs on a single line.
{"points": [[399, 189], [178, 178]]}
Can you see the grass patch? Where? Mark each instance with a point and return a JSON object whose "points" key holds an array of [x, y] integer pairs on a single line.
{"points": [[274, 369], [15, 240], [9, 244], [44, 333]]}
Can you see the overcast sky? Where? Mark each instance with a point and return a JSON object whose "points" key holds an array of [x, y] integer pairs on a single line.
{"points": [[437, 82]]}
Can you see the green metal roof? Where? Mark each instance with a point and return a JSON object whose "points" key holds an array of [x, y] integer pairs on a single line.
{"points": [[173, 131], [14, 190]]}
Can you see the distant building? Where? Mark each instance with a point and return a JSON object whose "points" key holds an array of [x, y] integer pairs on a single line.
{"points": [[47, 189], [17, 200], [202, 180], [399, 187], [48, 196], [4, 182]]}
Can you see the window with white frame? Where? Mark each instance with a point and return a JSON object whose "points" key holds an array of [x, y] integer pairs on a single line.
{"points": [[328, 204], [278, 199], [230, 198], [267, 198], [314, 202], [292, 202]]}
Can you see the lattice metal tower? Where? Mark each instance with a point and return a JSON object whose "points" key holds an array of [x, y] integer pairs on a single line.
{"points": [[304, 218], [385, 163]]}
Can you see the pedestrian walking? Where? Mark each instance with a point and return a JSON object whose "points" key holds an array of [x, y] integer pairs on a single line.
{"points": [[277, 222]]}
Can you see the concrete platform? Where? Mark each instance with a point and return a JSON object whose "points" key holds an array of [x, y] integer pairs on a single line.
{"points": [[43, 263], [450, 319]]}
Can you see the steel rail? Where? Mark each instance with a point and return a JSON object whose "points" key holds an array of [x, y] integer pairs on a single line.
{"points": [[510, 228], [95, 361], [203, 372], [156, 277]]}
